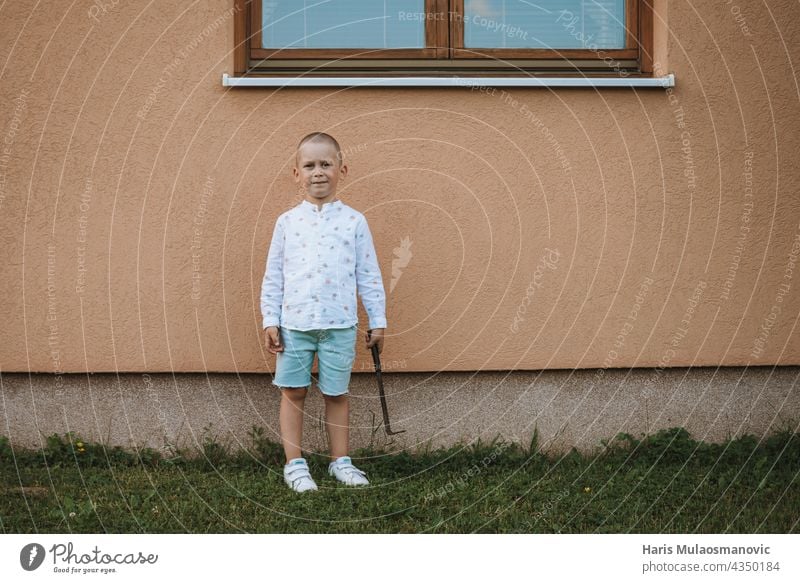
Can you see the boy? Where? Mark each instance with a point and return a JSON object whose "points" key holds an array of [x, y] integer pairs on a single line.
{"points": [[321, 255]]}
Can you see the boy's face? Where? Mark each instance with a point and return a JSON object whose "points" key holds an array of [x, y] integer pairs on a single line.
{"points": [[318, 170]]}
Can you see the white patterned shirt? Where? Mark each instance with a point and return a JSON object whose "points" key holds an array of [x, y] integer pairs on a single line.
{"points": [[317, 261]]}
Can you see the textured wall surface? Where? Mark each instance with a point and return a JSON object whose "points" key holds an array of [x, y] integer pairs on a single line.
{"points": [[517, 230], [566, 408]]}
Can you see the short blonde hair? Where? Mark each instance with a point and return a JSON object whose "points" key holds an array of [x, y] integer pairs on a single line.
{"points": [[323, 137]]}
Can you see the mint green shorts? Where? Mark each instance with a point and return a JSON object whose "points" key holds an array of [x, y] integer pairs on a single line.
{"points": [[335, 349]]}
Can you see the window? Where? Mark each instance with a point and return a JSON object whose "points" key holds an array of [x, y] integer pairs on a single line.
{"points": [[450, 37]]}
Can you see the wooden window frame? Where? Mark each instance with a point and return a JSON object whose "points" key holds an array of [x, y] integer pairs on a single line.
{"points": [[439, 57]]}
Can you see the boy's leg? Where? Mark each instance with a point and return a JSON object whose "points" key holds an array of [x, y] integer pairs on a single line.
{"points": [[337, 419], [291, 419], [336, 352], [293, 376]]}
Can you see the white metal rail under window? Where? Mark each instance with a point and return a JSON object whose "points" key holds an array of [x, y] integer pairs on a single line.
{"points": [[306, 81]]}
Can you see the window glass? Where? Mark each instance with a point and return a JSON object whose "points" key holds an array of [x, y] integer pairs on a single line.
{"points": [[327, 24], [544, 24]]}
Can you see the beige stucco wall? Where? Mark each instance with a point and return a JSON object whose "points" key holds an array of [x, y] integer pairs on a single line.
{"points": [[139, 196]]}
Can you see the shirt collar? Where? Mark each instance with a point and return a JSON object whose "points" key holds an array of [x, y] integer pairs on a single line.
{"points": [[325, 206]]}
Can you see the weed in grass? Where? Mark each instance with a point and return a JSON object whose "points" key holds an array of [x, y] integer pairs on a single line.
{"points": [[71, 450], [6, 453], [214, 453], [533, 446], [267, 452]]}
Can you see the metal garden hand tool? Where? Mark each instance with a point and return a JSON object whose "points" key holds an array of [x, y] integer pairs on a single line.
{"points": [[376, 358]]}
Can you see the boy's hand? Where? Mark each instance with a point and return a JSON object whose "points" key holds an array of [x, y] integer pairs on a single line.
{"points": [[375, 336], [273, 337]]}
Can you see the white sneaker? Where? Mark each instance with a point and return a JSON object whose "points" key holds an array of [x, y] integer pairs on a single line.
{"points": [[297, 476], [344, 471]]}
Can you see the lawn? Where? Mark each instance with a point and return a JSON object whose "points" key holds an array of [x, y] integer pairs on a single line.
{"points": [[662, 483]]}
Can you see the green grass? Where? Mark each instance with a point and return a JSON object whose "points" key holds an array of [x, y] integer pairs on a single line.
{"points": [[663, 483]]}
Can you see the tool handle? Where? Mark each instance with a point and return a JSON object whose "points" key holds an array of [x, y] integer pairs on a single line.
{"points": [[376, 358]]}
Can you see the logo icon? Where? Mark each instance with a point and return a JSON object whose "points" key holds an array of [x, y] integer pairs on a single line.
{"points": [[402, 256], [31, 556]]}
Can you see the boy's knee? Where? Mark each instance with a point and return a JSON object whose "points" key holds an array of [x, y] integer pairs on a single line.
{"points": [[335, 398], [295, 394]]}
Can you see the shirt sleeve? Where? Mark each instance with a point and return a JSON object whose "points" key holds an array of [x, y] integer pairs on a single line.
{"points": [[272, 286], [368, 277]]}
